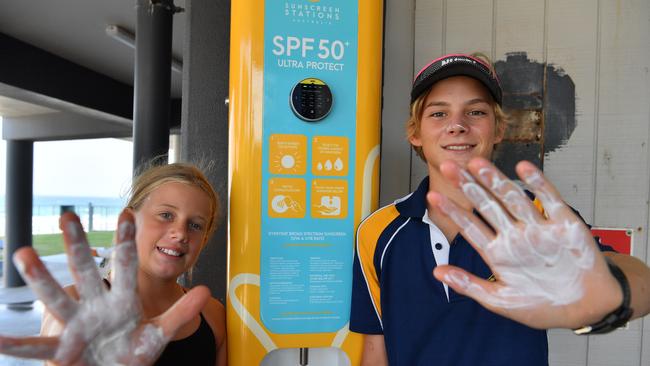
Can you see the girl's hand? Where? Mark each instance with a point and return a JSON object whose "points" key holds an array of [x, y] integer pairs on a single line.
{"points": [[103, 327]]}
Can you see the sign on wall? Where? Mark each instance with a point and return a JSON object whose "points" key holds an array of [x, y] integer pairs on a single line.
{"points": [[619, 239]]}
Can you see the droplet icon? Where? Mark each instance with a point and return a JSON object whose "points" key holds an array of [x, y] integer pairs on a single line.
{"points": [[319, 166], [338, 164], [328, 165]]}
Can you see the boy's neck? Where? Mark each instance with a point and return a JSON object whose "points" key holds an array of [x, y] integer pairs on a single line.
{"points": [[438, 184]]}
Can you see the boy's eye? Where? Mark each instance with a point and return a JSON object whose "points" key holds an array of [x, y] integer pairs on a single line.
{"points": [[477, 113], [437, 114]]}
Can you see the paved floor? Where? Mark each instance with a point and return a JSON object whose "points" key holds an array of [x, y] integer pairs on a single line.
{"points": [[21, 320]]}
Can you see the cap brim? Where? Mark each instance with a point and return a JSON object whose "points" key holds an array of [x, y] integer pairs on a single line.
{"points": [[456, 69]]}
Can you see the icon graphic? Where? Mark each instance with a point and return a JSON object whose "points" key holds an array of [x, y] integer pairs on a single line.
{"points": [[328, 165], [330, 156], [287, 154], [338, 164], [281, 204], [329, 206], [287, 161]]}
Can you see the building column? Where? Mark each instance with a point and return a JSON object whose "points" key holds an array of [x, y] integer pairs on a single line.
{"points": [[204, 123], [18, 209], [152, 84]]}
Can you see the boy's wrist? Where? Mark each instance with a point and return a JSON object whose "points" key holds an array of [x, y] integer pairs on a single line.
{"points": [[619, 316]]}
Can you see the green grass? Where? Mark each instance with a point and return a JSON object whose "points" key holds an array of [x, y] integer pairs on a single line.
{"points": [[48, 244]]}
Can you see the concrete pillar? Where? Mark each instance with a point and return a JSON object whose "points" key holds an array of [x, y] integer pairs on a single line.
{"points": [[204, 121], [18, 201], [152, 85]]}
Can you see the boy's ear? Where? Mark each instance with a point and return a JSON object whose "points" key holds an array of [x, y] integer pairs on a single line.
{"points": [[500, 132], [415, 140]]}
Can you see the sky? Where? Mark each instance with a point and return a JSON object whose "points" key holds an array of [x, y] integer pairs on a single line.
{"points": [[86, 168]]}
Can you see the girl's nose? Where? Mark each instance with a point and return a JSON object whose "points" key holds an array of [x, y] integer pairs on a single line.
{"points": [[179, 232]]}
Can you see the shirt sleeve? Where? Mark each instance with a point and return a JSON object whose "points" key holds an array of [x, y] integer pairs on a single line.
{"points": [[365, 313]]}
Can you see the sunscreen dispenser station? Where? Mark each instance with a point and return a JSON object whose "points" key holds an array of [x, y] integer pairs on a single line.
{"points": [[304, 120]]}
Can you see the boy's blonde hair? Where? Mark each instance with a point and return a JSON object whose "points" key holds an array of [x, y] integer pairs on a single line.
{"points": [[417, 107]]}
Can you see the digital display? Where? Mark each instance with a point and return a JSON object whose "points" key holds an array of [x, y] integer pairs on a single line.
{"points": [[311, 100]]}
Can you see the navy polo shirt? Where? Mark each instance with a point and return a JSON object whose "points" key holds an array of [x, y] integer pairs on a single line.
{"points": [[423, 321]]}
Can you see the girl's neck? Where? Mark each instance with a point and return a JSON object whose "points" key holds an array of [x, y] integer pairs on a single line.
{"points": [[157, 295]]}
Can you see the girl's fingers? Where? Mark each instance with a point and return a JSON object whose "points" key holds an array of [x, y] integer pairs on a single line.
{"points": [[184, 310], [510, 194], [152, 337], [80, 331], [44, 285], [42, 348], [125, 256], [81, 262]]}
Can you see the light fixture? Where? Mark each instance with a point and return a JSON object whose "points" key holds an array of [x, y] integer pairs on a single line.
{"points": [[124, 36]]}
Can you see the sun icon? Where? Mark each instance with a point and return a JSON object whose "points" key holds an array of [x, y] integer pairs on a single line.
{"points": [[287, 163]]}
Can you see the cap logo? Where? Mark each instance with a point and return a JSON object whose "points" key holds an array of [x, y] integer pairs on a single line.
{"points": [[455, 59]]}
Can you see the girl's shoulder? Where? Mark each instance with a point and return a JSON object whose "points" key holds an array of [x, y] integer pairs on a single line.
{"points": [[215, 309], [215, 314]]}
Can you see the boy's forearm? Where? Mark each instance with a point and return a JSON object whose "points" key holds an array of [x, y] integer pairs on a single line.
{"points": [[638, 276]]}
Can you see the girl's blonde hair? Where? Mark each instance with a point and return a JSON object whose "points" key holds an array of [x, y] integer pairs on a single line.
{"points": [[417, 107], [153, 176]]}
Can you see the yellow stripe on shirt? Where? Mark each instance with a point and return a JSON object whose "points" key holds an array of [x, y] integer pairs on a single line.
{"points": [[367, 238]]}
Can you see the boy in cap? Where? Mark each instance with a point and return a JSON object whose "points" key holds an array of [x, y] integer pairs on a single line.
{"points": [[501, 278]]}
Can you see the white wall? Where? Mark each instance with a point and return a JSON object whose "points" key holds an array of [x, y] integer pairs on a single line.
{"points": [[603, 169]]}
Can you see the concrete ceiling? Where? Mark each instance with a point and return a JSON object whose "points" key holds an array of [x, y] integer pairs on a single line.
{"points": [[75, 31]]}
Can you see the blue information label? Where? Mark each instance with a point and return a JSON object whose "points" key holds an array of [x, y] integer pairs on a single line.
{"points": [[307, 235]]}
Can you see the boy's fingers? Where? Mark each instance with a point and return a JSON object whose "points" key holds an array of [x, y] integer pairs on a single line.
{"points": [[80, 259], [464, 282], [44, 285], [493, 295], [474, 230], [485, 203], [510, 194], [544, 190], [489, 208]]}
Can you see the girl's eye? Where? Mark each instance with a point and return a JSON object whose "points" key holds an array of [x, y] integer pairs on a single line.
{"points": [[196, 227], [166, 215]]}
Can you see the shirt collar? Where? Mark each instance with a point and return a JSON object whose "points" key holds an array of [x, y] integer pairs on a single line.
{"points": [[415, 204]]}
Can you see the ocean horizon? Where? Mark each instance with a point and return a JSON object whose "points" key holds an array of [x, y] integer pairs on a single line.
{"points": [[47, 209]]}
